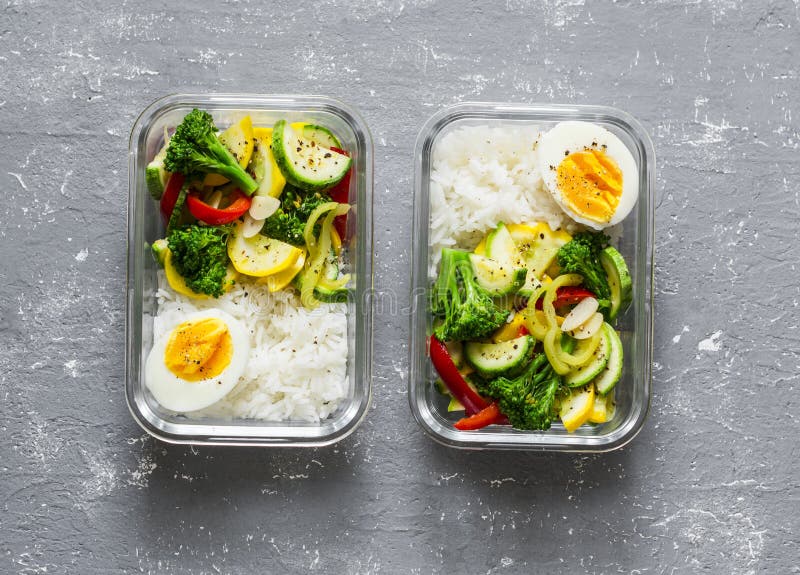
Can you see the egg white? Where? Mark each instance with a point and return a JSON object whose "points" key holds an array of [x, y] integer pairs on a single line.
{"points": [[177, 394], [576, 136]]}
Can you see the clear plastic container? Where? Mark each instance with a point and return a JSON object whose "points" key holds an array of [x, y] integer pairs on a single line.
{"points": [[635, 326], [144, 226]]}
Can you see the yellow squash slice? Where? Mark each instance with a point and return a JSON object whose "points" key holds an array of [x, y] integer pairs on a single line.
{"points": [[259, 255], [283, 278], [239, 140], [264, 167], [577, 407], [178, 283]]}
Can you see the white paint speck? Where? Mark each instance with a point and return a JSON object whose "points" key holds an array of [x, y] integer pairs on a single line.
{"points": [[140, 477], [71, 368], [677, 338], [711, 343], [19, 179]]}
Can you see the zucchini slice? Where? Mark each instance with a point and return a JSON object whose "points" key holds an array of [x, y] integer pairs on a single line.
{"points": [[586, 373], [304, 163], [454, 405], [501, 246], [321, 135], [495, 277], [496, 359], [608, 378], [619, 281], [538, 246], [331, 287], [156, 175], [160, 249]]}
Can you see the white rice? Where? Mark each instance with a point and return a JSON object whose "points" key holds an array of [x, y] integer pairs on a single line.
{"points": [[484, 175], [298, 358]]}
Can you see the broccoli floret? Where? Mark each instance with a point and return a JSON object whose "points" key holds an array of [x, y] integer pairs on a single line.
{"points": [[200, 255], [528, 400], [468, 311], [289, 221], [581, 256], [194, 149]]}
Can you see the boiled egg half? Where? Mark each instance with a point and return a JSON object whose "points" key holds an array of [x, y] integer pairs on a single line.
{"points": [[589, 172], [198, 362]]}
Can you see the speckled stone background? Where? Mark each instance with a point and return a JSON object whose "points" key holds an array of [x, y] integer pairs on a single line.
{"points": [[709, 486]]}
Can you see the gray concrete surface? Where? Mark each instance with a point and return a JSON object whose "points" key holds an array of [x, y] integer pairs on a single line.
{"points": [[710, 485]]}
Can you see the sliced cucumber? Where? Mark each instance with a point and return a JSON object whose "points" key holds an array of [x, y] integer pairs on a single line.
{"points": [[309, 167], [495, 277], [156, 175], [454, 405], [331, 295], [586, 373], [619, 281], [160, 249], [500, 246], [538, 246], [331, 285], [496, 359], [608, 378], [321, 136]]}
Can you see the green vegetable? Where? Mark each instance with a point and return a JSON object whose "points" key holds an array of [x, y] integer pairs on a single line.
{"points": [[612, 373], [503, 358], [581, 256], [528, 400], [619, 281], [195, 149], [177, 209], [156, 176], [497, 278], [200, 255], [160, 249], [304, 163], [581, 375], [321, 135], [289, 221], [467, 310]]}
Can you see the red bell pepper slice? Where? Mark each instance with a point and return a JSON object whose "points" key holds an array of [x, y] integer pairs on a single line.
{"points": [[170, 195], [340, 193], [218, 216], [487, 416], [568, 295], [455, 382]]}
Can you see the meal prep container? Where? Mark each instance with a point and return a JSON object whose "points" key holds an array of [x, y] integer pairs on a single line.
{"points": [[635, 326], [144, 226]]}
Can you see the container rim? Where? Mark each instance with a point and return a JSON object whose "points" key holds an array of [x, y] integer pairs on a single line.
{"points": [[249, 435], [431, 423]]}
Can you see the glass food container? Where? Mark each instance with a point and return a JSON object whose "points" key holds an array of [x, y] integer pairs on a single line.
{"points": [[635, 326], [145, 226]]}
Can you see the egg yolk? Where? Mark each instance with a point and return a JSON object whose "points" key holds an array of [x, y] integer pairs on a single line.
{"points": [[591, 184], [199, 349]]}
